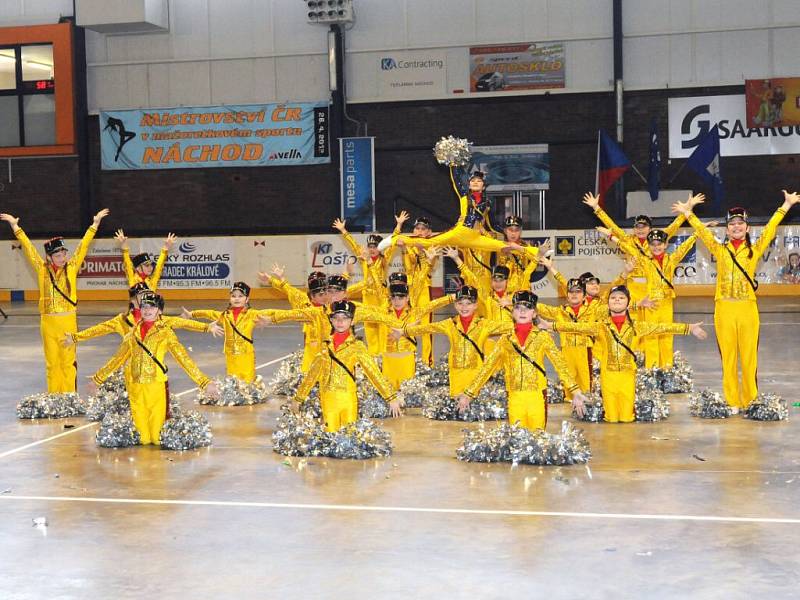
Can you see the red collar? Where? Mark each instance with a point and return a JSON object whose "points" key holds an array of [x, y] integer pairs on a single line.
{"points": [[145, 326], [576, 309], [619, 320], [737, 243], [466, 321], [522, 331], [398, 312], [659, 258], [236, 312], [339, 339]]}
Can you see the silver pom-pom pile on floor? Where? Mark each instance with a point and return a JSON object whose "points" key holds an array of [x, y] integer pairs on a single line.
{"points": [[593, 410], [301, 434], [650, 404], [111, 398], [51, 406], [555, 392], [186, 431], [517, 445], [767, 407], [490, 405], [117, 431], [709, 404], [235, 392], [287, 377]]}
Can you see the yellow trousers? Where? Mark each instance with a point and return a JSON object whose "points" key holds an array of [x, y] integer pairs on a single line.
{"points": [[737, 324], [638, 290], [426, 341], [310, 351], [148, 409], [375, 336], [529, 408], [398, 369], [242, 366], [60, 362], [338, 409], [619, 392], [658, 348], [579, 360], [460, 379], [459, 236]]}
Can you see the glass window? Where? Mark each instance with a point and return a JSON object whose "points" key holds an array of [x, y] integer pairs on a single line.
{"points": [[8, 65], [9, 121], [40, 119], [37, 62]]}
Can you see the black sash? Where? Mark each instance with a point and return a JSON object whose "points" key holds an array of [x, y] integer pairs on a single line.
{"points": [[151, 355], [67, 298], [478, 260], [340, 363], [660, 274], [236, 330], [528, 358], [753, 283], [471, 341], [412, 340], [621, 343]]}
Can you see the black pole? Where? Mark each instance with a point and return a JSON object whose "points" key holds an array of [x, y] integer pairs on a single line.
{"points": [[337, 95], [82, 125], [618, 79]]}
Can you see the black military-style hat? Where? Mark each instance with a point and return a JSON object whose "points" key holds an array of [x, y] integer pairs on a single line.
{"points": [[398, 277], [317, 281], [373, 239], [137, 288], [478, 175], [643, 220], [657, 235], [424, 221], [500, 272], [54, 245], [621, 288], [589, 276], [576, 282], [149, 298], [344, 307], [398, 289], [513, 221], [141, 259], [467, 292], [525, 298], [737, 212], [241, 286], [337, 282]]}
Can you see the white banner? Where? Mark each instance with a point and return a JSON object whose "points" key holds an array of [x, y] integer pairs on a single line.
{"points": [[191, 263], [691, 118], [420, 74]]}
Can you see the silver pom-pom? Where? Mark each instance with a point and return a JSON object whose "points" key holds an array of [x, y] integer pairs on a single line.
{"points": [[372, 406], [490, 405], [650, 406], [452, 151], [555, 392], [678, 379], [186, 431], [709, 405], [117, 431], [515, 444], [51, 406], [593, 410], [287, 377], [235, 392], [767, 407], [302, 435], [111, 398]]}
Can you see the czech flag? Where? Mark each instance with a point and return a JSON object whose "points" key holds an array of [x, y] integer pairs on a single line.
{"points": [[611, 164]]}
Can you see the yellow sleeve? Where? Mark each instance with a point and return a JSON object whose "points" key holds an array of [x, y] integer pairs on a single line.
{"points": [[83, 248], [211, 315], [769, 232], [489, 366], [155, 277], [548, 312], [433, 306], [681, 251], [127, 265], [356, 289], [499, 327], [704, 233], [114, 363], [312, 377], [33, 256], [468, 276], [375, 314], [557, 360], [609, 222], [628, 248], [187, 324], [297, 314], [101, 329], [186, 362], [373, 373], [441, 327], [560, 280], [579, 328], [673, 227], [351, 243], [645, 328], [297, 299]]}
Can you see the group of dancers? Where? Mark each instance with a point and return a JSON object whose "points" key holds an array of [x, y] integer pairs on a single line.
{"points": [[499, 321]]}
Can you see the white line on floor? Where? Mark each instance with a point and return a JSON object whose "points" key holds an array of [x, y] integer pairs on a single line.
{"points": [[412, 509], [54, 437], [71, 431]]}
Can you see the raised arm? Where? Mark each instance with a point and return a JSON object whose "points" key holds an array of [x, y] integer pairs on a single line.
{"points": [[83, 247], [771, 228], [30, 251]]}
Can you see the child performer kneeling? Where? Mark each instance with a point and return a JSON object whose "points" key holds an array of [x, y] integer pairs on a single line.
{"points": [[617, 334], [521, 355], [144, 349], [334, 369], [238, 321]]}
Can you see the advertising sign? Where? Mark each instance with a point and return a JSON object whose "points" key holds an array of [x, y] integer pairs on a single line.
{"points": [[511, 67], [419, 74], [255, 135], [773, 102], [691, 118], [522, 167], [357, 182]]}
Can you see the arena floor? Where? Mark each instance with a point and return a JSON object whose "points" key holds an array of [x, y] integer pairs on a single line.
{"points": [[678, 509]]}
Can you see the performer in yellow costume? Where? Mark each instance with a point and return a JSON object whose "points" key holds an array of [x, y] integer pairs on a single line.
{"points": [[57, 277], [618, 336], [334, 369], [399, 355], [467, 333], [419, 267], [736, 318], [143, 352], [238, 322], [140, 268], [521, 355], [659, 271], [520, 266]]}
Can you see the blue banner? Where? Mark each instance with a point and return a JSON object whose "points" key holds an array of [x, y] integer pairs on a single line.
{"points": [[357, 177], [253, 135]]}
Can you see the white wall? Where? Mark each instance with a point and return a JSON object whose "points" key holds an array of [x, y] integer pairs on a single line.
{"points": [[239, 51]]}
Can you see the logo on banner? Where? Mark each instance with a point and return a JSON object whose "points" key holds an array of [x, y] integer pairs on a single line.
{"points": [[288, 154], [704, 125], [187, 247], [387, 64], [565, 245], [322, 255]]}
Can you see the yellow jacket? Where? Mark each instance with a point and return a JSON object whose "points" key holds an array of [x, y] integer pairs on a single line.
{"points": [[317, 320], [731, 282], [520, 374], [642, 249], [236, 343], [375, 271], [50, 300], [418, 269], [613, 355], [122, 323], [587, 313], [463, 353], [488, 301], [520, 266], [140, 366], [134, 277], [407, 343], [332, 377], [658, 275]]}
